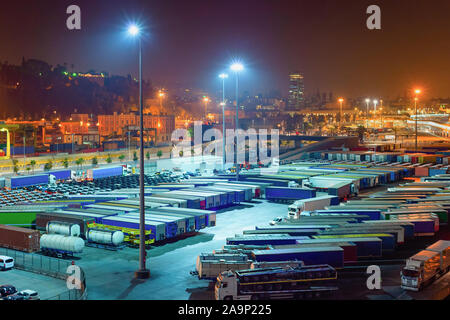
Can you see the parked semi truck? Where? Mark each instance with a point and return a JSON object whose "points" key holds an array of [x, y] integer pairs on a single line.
{"points": [[426, 266], [276, 283], [311, 204]]}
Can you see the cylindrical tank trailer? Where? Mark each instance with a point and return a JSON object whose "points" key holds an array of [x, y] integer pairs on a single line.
{"points": [[63, 228], [61, 243], [106, 237]]}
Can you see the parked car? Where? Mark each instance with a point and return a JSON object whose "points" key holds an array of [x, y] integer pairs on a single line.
{"points": [[276, 220], [29, 294], [7, 289], [6, 263], [15, 297]]}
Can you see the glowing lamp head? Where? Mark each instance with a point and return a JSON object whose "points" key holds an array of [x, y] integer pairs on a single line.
{"points": [[133, 30], [206, 99], [236, 67], [375, 101], [367, 100], [341, 100], [223, 76], [417, 91]]}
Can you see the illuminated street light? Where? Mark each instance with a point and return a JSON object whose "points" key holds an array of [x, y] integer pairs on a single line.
{"points": [[341, 100], [206, 100], [143, 272], [417, 92], [367, 112], [133, 30], [223, 76], [237, 67]]}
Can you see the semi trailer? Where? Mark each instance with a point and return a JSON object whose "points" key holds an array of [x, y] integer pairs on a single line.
{"points": [[426, 266], [276, 283]]}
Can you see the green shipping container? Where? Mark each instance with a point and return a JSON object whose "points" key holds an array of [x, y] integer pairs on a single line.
{"points": [[18, 219]]}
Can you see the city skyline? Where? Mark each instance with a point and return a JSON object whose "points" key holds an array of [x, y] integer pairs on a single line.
{"points": [[328, 43]]}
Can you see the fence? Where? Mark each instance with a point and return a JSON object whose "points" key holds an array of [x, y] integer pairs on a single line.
{"points": [[47, 266]]}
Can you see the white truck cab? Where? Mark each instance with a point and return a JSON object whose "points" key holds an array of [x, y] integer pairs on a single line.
{"points": [[419, 270], [226, 287], [6, 263]]}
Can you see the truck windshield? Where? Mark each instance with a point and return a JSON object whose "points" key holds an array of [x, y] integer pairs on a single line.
{"points": [[410, 273]]}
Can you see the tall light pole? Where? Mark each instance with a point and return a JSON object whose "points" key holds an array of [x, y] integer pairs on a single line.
{"points": [[206, 100], [417, 92], [340, 112], [381, 113], [161, 97], [367, 113], [223, 76], [143, 272], [375, 102], [236, 68]]}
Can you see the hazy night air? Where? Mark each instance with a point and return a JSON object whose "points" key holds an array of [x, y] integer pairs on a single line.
{"points": [[190, 40]]}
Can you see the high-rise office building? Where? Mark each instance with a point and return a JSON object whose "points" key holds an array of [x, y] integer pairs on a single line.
{"points": [[296, 91]]}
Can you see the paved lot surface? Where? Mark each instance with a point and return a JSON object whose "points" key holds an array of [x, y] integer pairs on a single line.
{"points": [[110, 274], [47, 287]]}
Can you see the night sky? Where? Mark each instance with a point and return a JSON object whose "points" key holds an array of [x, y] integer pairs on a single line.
{"points": [[190, 42]]}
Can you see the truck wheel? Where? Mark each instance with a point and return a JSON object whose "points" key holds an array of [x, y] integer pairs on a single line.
{"points": [[228, 298]]}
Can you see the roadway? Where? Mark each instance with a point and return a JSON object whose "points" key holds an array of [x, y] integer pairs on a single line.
{"points": [[47, 287]]}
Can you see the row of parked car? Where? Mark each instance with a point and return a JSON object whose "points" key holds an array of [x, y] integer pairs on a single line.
{"points": [[9, 292]]}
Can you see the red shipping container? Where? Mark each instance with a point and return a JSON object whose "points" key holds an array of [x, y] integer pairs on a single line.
{"points": [[20, 239], [421, 171]]}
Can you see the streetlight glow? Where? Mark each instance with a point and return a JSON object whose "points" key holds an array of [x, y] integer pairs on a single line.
{"points": [[223, 76], [237, 66], [133, 30]]}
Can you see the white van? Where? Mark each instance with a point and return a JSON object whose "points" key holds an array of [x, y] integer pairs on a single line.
{"points": [[6, 263]]}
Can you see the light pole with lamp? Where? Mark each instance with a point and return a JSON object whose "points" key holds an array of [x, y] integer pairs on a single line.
{"points": [[367, 113], [236, 68], [223, 76], [341, 100], [143, 272], [375, 102], [417, 92]]}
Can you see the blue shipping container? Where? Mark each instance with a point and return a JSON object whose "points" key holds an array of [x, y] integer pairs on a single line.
{"points": [[334, 256], [26, 181], [286, 193]]}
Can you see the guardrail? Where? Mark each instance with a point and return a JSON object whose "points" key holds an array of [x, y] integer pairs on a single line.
{"points": [[48, 266]]}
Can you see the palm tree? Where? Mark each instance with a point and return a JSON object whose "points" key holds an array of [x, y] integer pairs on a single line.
{"points": [[48, 166], [147, 155], [159, 154], [121, 157], [28, 169], [80, 162], [65, 163], [94, 161], [109, 159], [16, 169], [32, 164], [181, 153]]}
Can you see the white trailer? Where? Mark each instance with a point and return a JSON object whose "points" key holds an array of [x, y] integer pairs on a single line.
{"points": [[311, 204]]}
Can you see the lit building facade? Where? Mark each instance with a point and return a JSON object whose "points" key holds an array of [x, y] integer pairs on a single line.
{"points": [[296, 92], [118, 124]]}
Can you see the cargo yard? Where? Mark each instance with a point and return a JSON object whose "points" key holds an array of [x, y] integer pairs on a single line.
{"points": [[321, 221]]}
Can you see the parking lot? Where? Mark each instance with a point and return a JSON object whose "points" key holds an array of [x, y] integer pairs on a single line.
{"points": [[47, 287], [109, 275]]}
